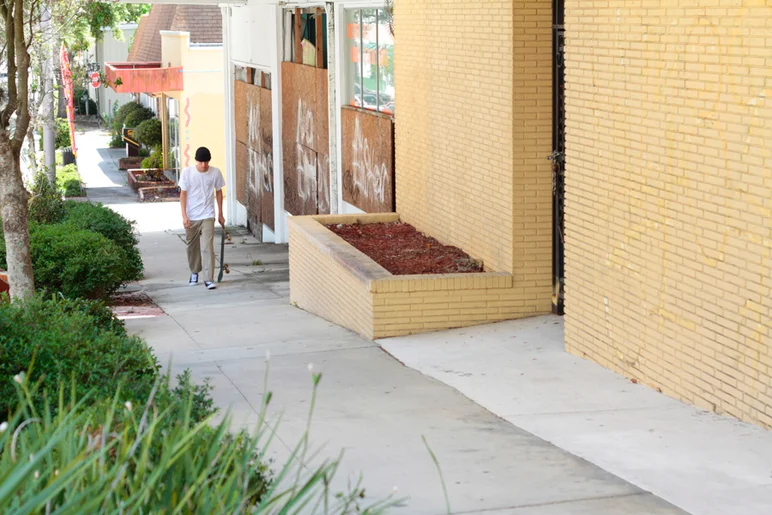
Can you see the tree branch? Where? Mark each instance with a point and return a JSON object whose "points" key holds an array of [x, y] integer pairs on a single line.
{"points": [[22, 57], [7, 12]]}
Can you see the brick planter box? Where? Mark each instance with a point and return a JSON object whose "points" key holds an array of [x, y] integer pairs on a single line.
{"points": [[334, 280], [134, 178], [127, 163], [170, 193]]}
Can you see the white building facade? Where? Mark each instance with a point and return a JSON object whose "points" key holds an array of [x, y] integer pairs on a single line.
{"points": [[310, 106]]}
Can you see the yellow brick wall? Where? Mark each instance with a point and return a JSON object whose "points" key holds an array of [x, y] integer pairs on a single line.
{"points": [[532, 144], [475, 129], [669, 197], [416, 304], [453, 141], [324, 287]]}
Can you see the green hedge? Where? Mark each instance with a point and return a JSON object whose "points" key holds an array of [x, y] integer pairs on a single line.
{"points": [[68, 181], [155, 160], [79, 249], [61, 351], [116, 141], [45, 205], [108, 223], [76, 263], [131, 115], [72, 341], [149, 132], [120, 115]]}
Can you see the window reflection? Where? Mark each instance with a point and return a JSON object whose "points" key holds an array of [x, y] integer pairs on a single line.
{"points": [[370, 60]]}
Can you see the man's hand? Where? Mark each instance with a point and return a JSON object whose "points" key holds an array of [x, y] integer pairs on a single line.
{"points": [[221, 219], [186, 222]]}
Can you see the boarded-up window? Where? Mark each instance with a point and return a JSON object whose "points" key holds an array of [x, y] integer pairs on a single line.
{"points": [[368, 160], [254, 147]]}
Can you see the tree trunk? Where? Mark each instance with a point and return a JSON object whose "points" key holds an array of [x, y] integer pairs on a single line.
{"points": [[62, 102], [14, 212]]}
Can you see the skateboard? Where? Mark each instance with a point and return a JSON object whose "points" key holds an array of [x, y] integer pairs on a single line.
{"points": [[223, 264]]}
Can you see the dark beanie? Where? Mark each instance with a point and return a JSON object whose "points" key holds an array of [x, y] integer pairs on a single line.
{"points": [[203, 155]]}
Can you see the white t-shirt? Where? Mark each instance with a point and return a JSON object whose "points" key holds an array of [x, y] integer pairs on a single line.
{"points": [[200, 188]]}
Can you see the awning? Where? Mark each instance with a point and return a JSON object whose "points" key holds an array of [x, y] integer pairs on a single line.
{"points": [[143, 78]]}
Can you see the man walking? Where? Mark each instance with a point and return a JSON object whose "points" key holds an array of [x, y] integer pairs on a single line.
{"points": [[196, 186]]}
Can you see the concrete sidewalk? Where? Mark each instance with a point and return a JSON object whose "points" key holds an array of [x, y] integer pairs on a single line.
{"points": [[704, 463], [369, 403]]}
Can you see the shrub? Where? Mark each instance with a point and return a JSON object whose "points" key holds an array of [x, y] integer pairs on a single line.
{"points": [[138, 116], [45, 204], [155, 160], [116, 141], [117, 458], [76, 263], [108, 223], [62, 138], [81, 106], [68, 181], [71, 341], [149, 132], [60, 340], [121, 114], [72, 188]]}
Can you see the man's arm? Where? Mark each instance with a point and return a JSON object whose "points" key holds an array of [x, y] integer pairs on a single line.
{"points": [[221, 217], [184, 206]]}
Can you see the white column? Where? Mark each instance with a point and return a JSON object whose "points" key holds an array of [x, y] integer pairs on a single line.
{"points": [[233, 213], [280, 222], [332, 105]]}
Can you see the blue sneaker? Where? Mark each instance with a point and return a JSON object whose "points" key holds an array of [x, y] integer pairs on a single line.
{"points": [[193, 280]]}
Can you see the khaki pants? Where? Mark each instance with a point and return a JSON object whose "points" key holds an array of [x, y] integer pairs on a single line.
{"points": [[201, 231]]}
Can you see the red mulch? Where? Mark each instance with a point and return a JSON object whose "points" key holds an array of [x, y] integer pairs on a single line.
{"points": [[402, 250]]}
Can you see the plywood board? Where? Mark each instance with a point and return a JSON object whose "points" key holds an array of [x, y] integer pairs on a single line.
{"points": [[368, 160], [303, 119], [322, 142], [266, 150], [254, 190], [242, 170], [240, 109], [254, 119]]}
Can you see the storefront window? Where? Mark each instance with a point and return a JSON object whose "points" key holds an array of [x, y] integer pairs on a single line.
{"points": [[370, 60]]}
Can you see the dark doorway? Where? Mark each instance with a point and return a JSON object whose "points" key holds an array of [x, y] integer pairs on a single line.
{"points": [[558, 156]]}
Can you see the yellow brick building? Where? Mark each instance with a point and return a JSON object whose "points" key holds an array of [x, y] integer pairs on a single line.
{"points": [[668, 213], [668, 187], [669, 197]]}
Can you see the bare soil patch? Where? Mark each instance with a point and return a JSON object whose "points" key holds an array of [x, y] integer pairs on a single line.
{"points": [[133, 305]]}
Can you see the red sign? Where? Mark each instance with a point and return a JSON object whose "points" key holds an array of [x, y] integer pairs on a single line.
{"points": [[95, 79], [68, 94]]}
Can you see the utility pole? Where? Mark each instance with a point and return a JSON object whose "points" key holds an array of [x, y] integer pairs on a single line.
{"points": [[49, 121]]}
